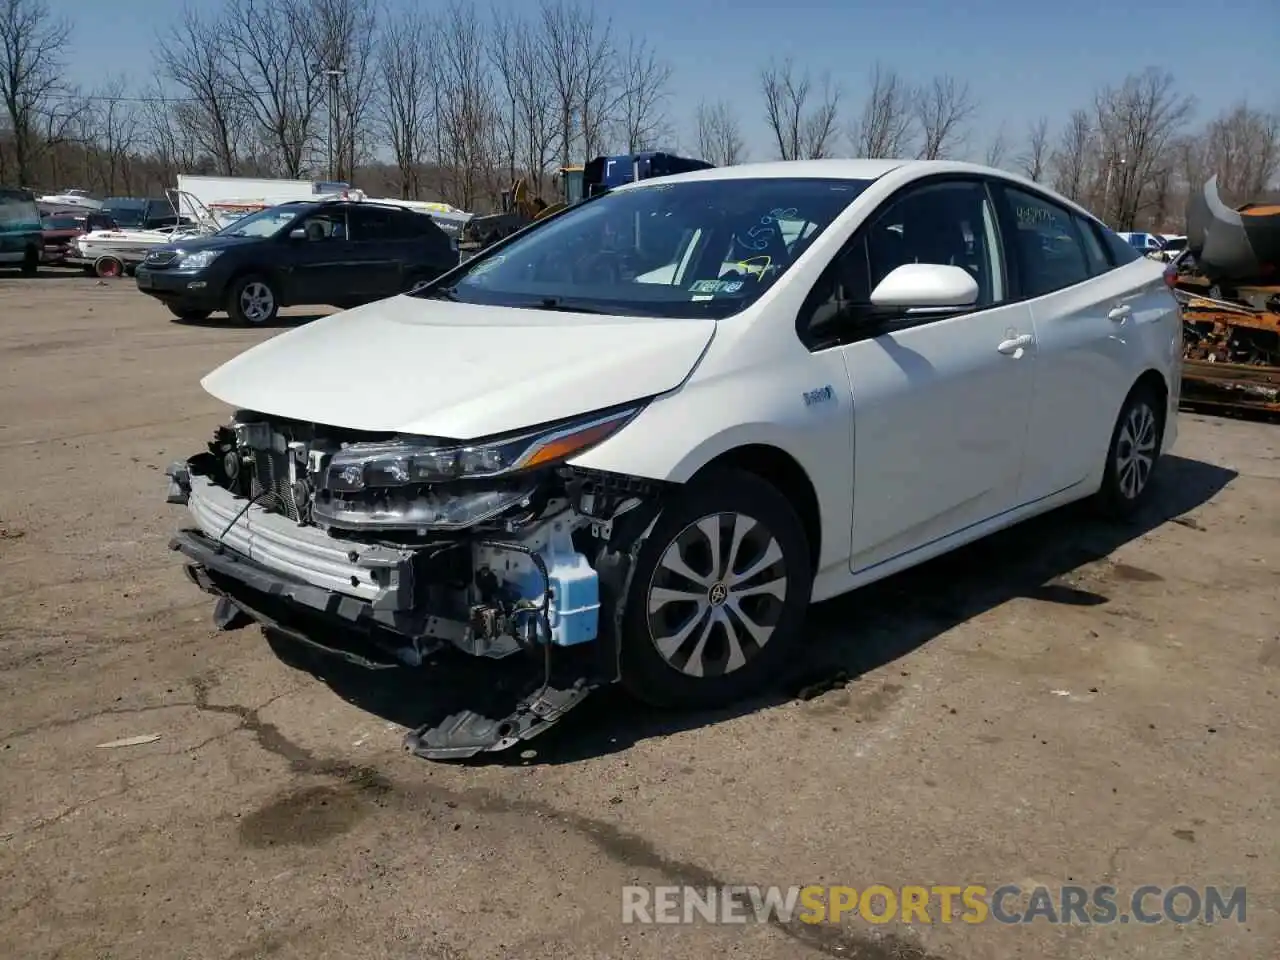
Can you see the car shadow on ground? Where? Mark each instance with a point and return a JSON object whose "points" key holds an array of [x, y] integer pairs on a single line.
{"points": [[49, 272], [278, 323], [848, 636]]}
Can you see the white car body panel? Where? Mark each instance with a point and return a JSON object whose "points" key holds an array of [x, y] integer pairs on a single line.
{"points": [[432, 368], [940, 427], [1086, 361], [928, 438]]}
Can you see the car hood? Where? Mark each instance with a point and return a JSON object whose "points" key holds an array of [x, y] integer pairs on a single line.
{"points": [[461, 371], [192, 244]]}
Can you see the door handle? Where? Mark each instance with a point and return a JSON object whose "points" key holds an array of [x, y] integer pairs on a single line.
{"points": [[1120, 313], [1015, 344]]}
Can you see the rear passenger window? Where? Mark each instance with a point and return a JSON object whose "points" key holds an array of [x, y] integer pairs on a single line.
{"points": [[371, 223], [1048, 249], [1094, 253]]}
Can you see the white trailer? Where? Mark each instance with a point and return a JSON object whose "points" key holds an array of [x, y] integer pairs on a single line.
{"points": [[213, 190]]}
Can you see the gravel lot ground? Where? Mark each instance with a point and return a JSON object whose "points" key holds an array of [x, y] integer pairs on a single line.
{"points": [[1066, 703]]}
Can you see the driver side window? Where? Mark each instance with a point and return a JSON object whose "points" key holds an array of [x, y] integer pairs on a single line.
{"points": [[327, 225], [949, 222]]}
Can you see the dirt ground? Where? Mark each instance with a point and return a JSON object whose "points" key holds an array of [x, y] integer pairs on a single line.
{"points": [[1066, 703]]}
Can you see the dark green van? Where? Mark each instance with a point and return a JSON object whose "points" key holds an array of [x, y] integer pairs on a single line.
{"points": [[20, 238]]}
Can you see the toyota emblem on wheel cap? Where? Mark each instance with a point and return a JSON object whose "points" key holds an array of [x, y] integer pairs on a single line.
{"points": [[718, 594]]}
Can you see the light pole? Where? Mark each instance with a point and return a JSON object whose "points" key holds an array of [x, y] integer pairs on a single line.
{"points": [[334, 127]]}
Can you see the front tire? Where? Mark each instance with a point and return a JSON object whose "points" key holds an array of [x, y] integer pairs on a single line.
{"points": [[1133, 454], [252, 301], [190, 316], [718, 596]]}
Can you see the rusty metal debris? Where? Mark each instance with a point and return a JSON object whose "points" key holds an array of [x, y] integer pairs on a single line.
{"points": [[1228, 286]]}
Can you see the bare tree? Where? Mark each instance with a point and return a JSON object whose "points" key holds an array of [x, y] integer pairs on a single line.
{"points": [[800, 130], [115, 135], [1191, 158], [1242, 147], [1137, 123], [1033, 159], [341, 35], [63, 123], [719, 134], [645, 88], [943, 108], [467, 114], [269, 42], [997, 149], [506, 30], [1070, 160], [534, 117], [580, 68], [885, 129], [406, 73], [30, 73], [190, 56], [166, 135]]}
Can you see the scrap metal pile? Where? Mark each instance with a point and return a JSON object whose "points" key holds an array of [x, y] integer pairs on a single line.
{"points": [[1228, 283]]}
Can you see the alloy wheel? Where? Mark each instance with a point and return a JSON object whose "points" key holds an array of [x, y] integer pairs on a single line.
{"points": [[716, 594], [1136, 450], [256, 301]]}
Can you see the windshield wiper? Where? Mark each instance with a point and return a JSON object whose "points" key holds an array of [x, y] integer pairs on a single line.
{"points": [[439, 293], [560, 304]]}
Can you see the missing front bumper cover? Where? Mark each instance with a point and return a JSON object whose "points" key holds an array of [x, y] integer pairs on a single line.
{"points": [[553, 684]]}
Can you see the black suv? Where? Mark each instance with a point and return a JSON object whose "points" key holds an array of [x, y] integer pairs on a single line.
{"points": [[339, 253]]}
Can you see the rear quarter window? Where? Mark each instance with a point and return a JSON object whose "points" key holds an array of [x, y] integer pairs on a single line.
{"points": [[1094, 251], [1121, 252]]}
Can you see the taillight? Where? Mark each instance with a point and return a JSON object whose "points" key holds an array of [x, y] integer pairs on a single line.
{"points": [[1171, 276]]}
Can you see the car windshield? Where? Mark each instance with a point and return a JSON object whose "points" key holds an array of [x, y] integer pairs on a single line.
{"points": [[687, 249], [127, 216], [264, 223], [1178, 243], [62, 223]]}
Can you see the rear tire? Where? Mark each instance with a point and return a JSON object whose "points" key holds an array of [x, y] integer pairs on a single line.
{"points": [[252, 301], [190, 316], [1133, 454], [30, 262], [718, 596]]}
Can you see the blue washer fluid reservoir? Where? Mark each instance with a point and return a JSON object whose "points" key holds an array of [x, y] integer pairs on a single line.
{"points": [[574, 611]]}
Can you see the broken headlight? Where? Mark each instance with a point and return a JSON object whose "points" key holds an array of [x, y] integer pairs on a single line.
{"points": [[409, 462]]}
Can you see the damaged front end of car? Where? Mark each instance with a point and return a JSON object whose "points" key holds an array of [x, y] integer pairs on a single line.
{"points": [[496, 548]]}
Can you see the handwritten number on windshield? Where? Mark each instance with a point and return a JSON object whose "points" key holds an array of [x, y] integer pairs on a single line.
{"points": [[758, 236]]}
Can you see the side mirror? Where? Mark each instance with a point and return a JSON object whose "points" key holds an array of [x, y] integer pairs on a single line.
{"points": [[925, 288], [297, 234]]}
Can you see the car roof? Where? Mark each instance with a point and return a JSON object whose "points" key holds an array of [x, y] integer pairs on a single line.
{"points": [[332, 201], [837, 168]]}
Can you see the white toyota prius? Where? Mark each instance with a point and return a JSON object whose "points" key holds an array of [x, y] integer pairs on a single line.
{"points": [[636, 440]]}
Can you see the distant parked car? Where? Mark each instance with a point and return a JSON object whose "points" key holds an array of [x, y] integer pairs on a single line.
{"points": [[338, 253], [1173, 246], [1148, 244], [133, 213], [60, 230], [21, 238]]}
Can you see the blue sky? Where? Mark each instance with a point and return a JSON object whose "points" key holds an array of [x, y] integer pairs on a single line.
{"points": [[1021, 59]]}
